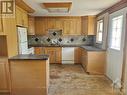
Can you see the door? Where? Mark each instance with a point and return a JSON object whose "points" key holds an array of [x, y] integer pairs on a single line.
{"points": [[115, 45], [23, 48], [22, 34]]}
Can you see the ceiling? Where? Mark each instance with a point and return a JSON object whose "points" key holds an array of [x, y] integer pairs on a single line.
{"points": [[78, 8]]}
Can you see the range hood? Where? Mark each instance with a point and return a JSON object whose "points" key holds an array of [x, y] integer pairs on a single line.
{"points": [[63, 7]]}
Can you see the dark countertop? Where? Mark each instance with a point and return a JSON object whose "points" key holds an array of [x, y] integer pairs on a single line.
{"points": [[54, 45], [29, 57], [92, 48], [88, 48]]}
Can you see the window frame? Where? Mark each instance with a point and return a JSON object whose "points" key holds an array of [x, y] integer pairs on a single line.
{"points": [[99, 42]]}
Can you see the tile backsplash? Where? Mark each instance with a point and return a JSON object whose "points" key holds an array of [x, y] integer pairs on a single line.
{"points": [[60, 40]]}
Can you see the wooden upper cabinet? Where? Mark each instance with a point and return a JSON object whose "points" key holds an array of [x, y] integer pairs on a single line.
{"points": [[88, 25], [50, 23], [59, 24], [70, 26], [31, 25], [40, 26], [21, 17], [25, 18], [67, 27]]}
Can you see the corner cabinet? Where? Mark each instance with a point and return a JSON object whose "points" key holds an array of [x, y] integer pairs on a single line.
{"points": [[94, 62], [21, 17], [88, 25]]}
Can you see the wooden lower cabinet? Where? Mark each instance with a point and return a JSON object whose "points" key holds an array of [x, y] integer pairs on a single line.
{"points": [[77, 55], [94, 61], [29, 77], [55, 53], [4, 76]]}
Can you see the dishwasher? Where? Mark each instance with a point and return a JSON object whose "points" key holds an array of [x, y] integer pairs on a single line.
{"points": [[68, 55]]}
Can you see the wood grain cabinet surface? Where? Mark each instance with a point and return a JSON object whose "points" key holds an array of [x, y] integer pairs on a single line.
{"points": [[29, 77], [88, 25], [21, 17], [31, 25], [70, 26], [94, 62], [4, 76], [77, 55], [55, 53], [1, 26]]}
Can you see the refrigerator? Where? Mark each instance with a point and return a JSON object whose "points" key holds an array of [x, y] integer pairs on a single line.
{"points": [[22, 40]]}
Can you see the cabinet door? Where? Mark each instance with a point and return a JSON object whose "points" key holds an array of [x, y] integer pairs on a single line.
{"points": [[51, 23], [84, 25], [4, 77], [52, 54], [58, 55], [41, 26], [67, 27], [78, 27], [25, 18], [59, 24], [38, 50], [84, 59], [78, 54], [19, 20], [31, 27], [91, 25]]}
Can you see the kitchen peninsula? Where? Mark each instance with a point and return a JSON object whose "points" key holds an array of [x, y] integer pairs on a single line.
{"points": [[29, 74]]}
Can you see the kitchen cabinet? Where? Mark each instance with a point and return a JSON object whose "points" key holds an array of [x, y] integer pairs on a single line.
{"points": [[39, 50], [41, 26], [29, 77], [59, 24], [55, 53], [21, 17], [1, 26], [51, 23], [77, 55], [69, 25], [94, 61], [4, 76], [72, 27], [88, 25], [9, 27], [31, 25]]}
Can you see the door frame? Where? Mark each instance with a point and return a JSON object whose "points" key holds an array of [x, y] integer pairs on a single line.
{"points": [[124, 67], [115, 14]]}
